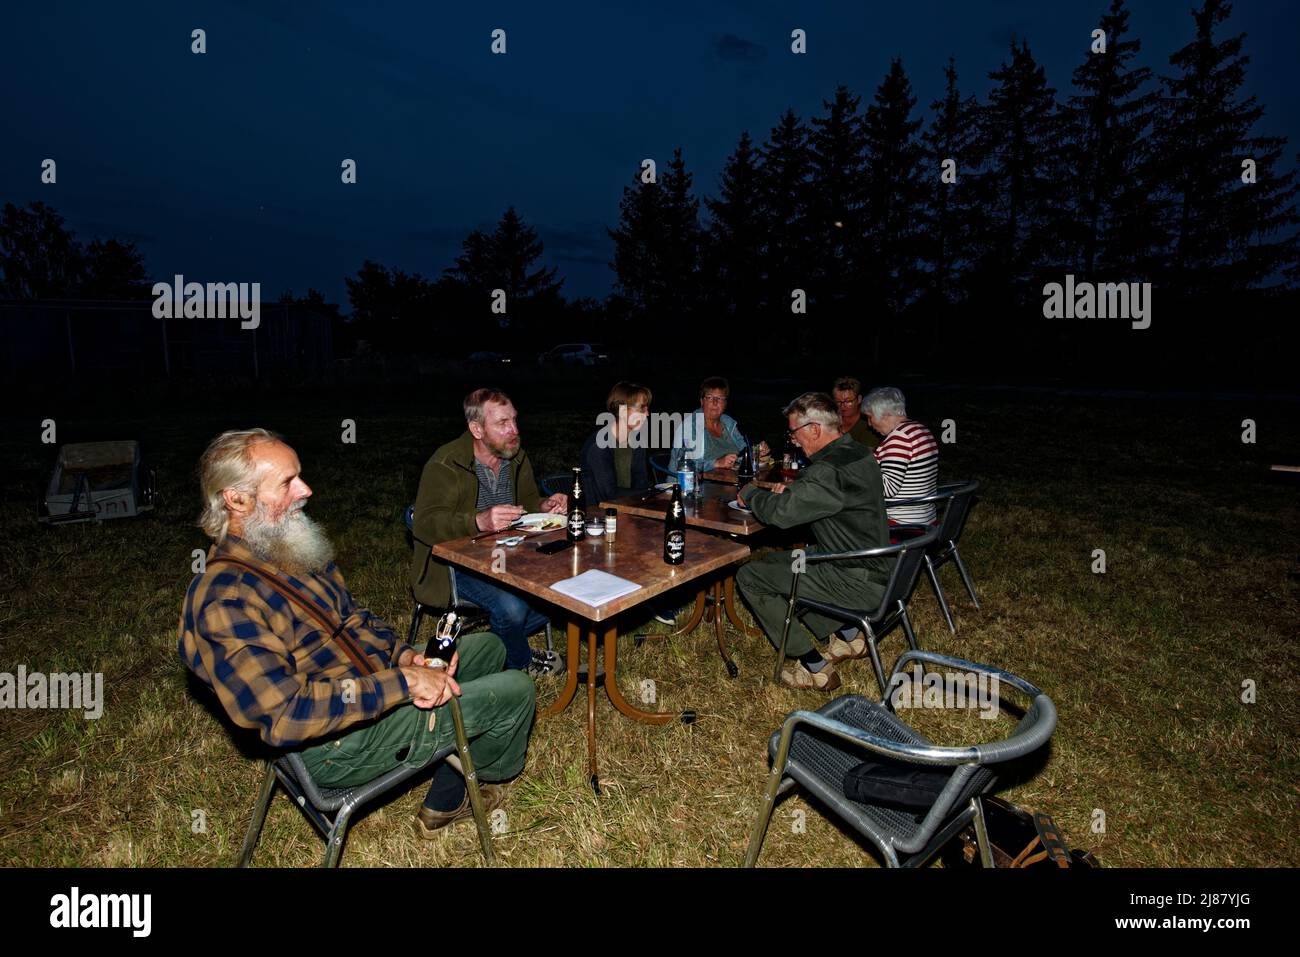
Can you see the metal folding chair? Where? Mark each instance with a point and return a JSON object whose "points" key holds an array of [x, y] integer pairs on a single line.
{"points": [[959, 498], [874, 623], [330, 810], [816, 749]]}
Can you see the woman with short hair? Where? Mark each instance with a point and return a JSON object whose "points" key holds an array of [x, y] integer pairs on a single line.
{"points": [[612, 464], [709, 434]]}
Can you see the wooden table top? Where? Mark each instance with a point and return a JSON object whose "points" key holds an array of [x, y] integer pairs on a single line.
{"points": [[636, 554], [766, 478], [709, 511]]}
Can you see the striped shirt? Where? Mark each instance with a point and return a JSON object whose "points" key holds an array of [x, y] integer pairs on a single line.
{"points": [[909, 466], [493, 488], [274, 667]]}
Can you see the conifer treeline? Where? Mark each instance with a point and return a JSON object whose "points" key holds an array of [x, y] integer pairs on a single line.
{"points": [[1131, 177]]}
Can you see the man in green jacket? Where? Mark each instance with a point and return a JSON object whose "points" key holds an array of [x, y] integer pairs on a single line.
{"points": [[841, 496], [481, 482]]}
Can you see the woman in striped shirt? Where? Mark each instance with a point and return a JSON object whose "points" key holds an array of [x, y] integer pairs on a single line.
{"points": [[908, 455]]}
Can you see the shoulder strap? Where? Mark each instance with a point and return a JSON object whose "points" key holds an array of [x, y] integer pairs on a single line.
{"points": [[336, 631], [1051, 838]]}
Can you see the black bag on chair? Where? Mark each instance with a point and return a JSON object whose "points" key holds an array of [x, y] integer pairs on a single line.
{"points": [[1019, 839]]}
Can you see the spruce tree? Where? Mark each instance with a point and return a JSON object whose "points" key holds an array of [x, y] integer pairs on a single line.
{"points": [[1024, 179], [953, 214], [1115, 230], [639, 242], [507, 260], [1227, 235], [784, 198], [683, 237], [733, 252], [893, 201], [837, 206]]}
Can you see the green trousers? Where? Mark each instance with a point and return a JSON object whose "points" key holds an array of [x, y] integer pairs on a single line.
{"points": [[765, 585], [497, 707]]}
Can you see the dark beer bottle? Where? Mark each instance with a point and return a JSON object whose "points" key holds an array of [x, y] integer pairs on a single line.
{"points": [[577, 509], [675, 529], [439, 651], [745, 466]]}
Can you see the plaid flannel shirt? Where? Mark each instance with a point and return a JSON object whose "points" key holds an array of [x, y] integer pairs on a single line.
{"points": [[272, 665]]}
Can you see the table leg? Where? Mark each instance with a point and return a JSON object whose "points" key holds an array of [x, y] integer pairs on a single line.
{"points": [[571, 671], [591, 707], [720, 627], [729, 600], [696, 616], [616, 696]]}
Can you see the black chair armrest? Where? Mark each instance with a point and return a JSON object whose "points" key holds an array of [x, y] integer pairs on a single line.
{"points": [[882, 552]]}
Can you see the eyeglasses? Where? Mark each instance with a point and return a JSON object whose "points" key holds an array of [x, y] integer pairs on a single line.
{"points": [[846, 402], [789, 433], [715, 398]]}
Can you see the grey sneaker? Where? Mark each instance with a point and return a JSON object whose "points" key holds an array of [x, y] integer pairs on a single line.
{"points": [[837, 649], [800, 678]]}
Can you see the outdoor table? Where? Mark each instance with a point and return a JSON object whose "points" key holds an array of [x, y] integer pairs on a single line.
{"points": [[707, 510], [767, 478], [636, 555]]}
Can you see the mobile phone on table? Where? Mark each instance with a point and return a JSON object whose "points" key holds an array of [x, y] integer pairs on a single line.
{"points": [[559, 545]]}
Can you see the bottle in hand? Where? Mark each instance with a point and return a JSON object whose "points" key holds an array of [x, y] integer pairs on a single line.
{"points": [[577, 509], [745, 466], [675, 530], [437, 654]]}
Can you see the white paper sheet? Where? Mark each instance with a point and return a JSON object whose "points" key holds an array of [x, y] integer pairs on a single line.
{"points": [[595, 587]]}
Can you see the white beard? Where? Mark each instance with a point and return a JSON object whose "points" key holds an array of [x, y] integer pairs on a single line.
{"points": [[295, 543]]}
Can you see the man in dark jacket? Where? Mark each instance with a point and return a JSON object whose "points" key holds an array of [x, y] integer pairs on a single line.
{"points": [[841, 496], [481, 482], [614, 463]]}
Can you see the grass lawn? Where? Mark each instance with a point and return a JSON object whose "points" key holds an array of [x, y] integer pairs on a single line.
{"points": [[1146, 662]]}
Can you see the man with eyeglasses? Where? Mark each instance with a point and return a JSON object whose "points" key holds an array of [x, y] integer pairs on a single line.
{"points": [[848, 400], [841, 496]]}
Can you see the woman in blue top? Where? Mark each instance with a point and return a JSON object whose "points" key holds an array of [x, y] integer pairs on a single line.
{"points": [[710, 430]]}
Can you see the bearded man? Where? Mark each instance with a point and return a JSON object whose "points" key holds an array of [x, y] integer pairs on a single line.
{"points": [[481, 482], [270, 626]]}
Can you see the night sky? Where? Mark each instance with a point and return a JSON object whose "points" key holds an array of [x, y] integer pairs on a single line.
{"points": [[226, 166]]}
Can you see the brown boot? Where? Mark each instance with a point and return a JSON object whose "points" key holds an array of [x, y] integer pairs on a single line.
{"points": [[429, 822]]}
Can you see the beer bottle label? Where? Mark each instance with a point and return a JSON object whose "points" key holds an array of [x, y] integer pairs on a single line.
{"points": [[577, 521], [676, 545]]}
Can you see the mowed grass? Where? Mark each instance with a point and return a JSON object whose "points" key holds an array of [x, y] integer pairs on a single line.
{"points": [[1146, 662]]}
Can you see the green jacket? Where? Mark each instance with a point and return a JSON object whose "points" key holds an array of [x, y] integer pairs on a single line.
{"points": [[864, 433], [842, 497], [445, 508]]}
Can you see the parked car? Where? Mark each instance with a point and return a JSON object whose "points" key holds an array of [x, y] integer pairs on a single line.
{"points": [[577, 354], [490, 358]]}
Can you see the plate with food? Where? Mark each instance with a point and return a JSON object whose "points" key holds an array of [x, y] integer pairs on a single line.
{"points": [[539, 521]]}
